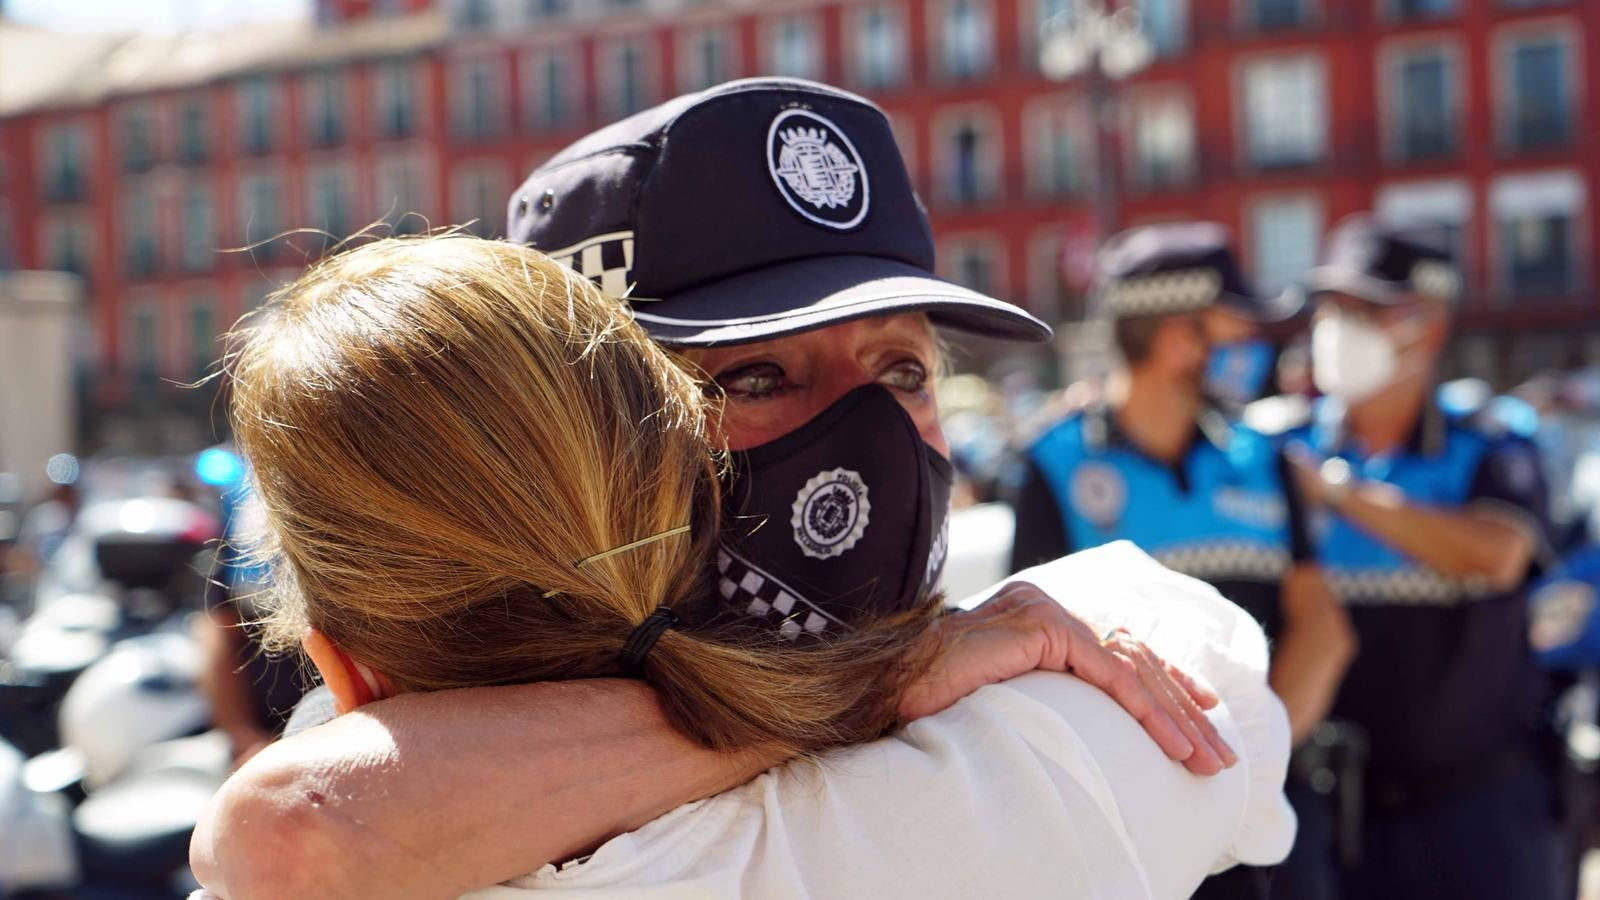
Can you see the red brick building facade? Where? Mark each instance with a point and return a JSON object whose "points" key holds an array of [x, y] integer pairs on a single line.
{"points": [[142, 156]]}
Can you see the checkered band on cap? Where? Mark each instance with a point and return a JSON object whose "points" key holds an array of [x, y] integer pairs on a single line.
{"points": [[1402, 587], [749, 589], [1436, 279], [1227, 561], [1167, 292], [605, 259]]}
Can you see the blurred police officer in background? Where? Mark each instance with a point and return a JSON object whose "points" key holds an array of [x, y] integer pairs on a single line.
{"points": [[1427, 529], [1152, 460]]}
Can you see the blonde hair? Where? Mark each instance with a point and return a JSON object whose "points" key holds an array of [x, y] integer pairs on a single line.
{"points": [[441, 427]]}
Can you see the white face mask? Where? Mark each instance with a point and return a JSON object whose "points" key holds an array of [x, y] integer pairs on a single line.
{"points": [[1351, 358]]}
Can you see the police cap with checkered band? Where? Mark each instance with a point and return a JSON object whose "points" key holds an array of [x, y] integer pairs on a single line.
{"points": [[1179, 267], [749, 211], [1386, 262]]}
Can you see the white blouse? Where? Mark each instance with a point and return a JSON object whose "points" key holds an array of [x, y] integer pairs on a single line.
{"points": [[1038, 787]]}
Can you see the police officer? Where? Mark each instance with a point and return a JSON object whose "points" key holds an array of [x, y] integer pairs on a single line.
{"points": [[1429, 528], [1154, 462]]}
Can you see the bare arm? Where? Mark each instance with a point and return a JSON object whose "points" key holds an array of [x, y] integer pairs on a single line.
{"points": [[1312, 653], [431, 795]]}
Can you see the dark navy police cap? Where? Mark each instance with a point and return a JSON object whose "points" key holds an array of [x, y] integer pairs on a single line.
{"points": [[1180, 267], [1385, 263], [752, 210]]}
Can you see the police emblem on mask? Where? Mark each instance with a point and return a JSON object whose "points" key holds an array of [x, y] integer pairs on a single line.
{"points": [[1099, 494], [830, 513], [817, 169]]}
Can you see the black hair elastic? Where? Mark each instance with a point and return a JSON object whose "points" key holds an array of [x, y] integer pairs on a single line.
{"points": [[644, 637]]}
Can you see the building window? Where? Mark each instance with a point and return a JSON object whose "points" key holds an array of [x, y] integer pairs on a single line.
{"points": [[1284, 238], [260, 212], [66, 245], [1424, 105], [203, 349], [330, 202], [1163, 141], [706, 56], [194, 130], [324, 96], [258, 110], [1536, 92], [477, 98], [136, 132], [1421, 9], [144, 341], [140, 239], [478, 196], [551, 92], [1285, 106], [548, 9], [969, 158], [1060, 148], [631, 77], [1270, 15], [401, 185], [793, 47], [965, 39], [1048, 297], [878, 60], [474, 14], [1166, 24], [65, 157], [199, 227], [396, 106], [1034, 17], [1538, 219], [976, 263]]}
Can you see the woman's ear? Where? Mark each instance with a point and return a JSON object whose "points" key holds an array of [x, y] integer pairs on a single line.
{"points": [[353, 684]]}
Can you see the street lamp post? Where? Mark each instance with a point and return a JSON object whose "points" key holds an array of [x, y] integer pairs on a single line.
{"points": [[1102, 46]]}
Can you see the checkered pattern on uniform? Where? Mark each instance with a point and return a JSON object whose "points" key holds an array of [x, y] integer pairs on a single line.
{"points": [[605, 259], [1227, 561], [1403, 587], [756, 592]]}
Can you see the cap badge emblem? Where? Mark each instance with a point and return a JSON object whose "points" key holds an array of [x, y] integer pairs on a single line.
{"points": [[830, 513], [817, 169]]}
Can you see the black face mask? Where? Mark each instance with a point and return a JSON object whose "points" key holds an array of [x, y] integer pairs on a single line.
{"points": [[842, 518]]}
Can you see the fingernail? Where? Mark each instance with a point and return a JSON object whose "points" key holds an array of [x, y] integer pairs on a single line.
{"points": [[1228, 755], [1186, 749]]}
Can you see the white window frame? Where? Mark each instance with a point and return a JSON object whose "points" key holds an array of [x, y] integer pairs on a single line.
{"points": [[938, 42], [1040, 114], [151, 114], [1242, 80], [1392, 56], [856, 46], [69, 133], [251, 232], [409, 69], [57, 222], [132, 224], [991, 243], [689, 42], [462, 72], [992, 171], [1535, 193], [1031, 15], [772, 33], [160, 362], [1503, 43], [1311, 202], [392, 208], [609, 60], [313, 98], [532, 68], [1141, 99], [343, 171], [189, 259], [194, 362], [1048, 292], [242, 89], [493, 172]]}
